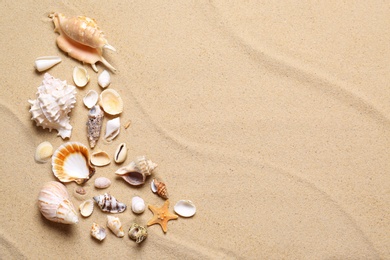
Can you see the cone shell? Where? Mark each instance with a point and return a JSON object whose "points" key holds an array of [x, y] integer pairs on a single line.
{"points": [[54, 203], [111, 102], [108, 203], [161, 189], [94, 125], [86, 208], [136, 172], [115, 225], [70, 162], [46, 62]]}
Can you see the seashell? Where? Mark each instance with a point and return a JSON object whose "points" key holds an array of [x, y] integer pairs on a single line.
{"points": [[153, 186], [43, 152], [80, 76], [91, 98], [104, 79], [94, 125], [111, 102], [120, 153], [100, 158], [127, 124], [80, 190], [82, 39], [98, 232], [137, 205], [54, 203], [138, 233], [185, 208], [136, 172], [86, 208], [114, 224], [108, 203], [46, 62], [55, 100], [70, 162], [113, 127], [102, 183], [160, 189]]}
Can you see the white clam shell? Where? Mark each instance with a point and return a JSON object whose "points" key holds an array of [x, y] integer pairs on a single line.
{"points": [[111, 102], [102, 183], [86, 208], [115, 225], [46, 62], [137, 205], [185, 208], [113, 127], [98, 232], [44, 152], [120, 153], [104, 79], [80, 76], [100, 158], [153, 186], [91, 98]]}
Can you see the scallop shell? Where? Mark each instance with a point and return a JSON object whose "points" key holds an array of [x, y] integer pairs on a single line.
{"points": [[70, 162], [102, 183], [104, 79], [136, 172], [46, 62], [91, 98], [108, 203], [120, 153], [100, 158], [98, 232], [137, 205], [94, 125], [82, 39], [54, 203], [185, 208], [161, 189], [111, 102], [138, 233], [86, 208], [115, 225], [80, 76], [113, 127], [55, 100], [43, 152]]}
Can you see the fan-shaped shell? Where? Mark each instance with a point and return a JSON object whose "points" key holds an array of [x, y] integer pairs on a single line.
{"points": [[111, 102], [70, 162]]}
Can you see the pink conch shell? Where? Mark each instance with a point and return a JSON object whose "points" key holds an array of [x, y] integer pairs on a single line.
{"points": [[82, 39]]}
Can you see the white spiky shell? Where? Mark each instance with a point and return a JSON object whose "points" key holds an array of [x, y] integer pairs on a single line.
{"points": [[55, 100], [115, 225], [54, 203]]}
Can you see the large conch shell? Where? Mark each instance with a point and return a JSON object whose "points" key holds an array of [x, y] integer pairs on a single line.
{"points": [[82, 39], [54, 203], [136, 172], [55, 100], [71, 162]]}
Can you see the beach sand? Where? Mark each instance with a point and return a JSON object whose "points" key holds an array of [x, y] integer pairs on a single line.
{"points": [[272, 117]]}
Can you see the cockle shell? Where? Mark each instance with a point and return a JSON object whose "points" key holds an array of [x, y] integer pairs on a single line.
{"points": [[111, 102], [91, 98], [136, 172], [86, 208], [98, 232], [138, 233], [70, 162], [108, 203], [115, 225], [82, 39], [54, 203], [43, 152], [94, 125], [137, 205], [102, 183], [80, 76], [160, 189], [104, 79], [113, 127], [120, 153], [100, 158], [46, 62], [55, 100], [185, 208]]}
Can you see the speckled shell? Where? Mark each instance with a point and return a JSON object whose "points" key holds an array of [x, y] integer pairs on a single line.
{"points": [[108, 203], [94, 125], [138, 233]]}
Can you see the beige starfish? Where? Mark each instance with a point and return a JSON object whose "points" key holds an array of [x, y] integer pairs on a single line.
{"points": [[161, 216]]}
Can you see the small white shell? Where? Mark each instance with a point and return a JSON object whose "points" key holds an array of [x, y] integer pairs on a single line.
{"points": [[113, 127], [137, 205], [120, 153], [86, 208], [111, 102], [100, 158], [80, 76], [185, 208], [153, 186], [91, 98], [46, 62], [115, 225], [43, 152], [104, 79], [102, 183], [98, 232]]}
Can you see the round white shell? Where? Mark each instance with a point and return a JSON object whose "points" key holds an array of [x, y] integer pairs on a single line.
{"points": [[104, 79], [100, 158], [46, 62], [91, 98], [185, 208], [80, 76], [102, 183], [137, 205], [86, 208], [44, 152]]}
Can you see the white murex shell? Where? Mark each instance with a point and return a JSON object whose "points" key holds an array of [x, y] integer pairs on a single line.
{"points": [[54, 203], [185, 208], [137, 205], [46, 62], [86, 208], [115, 225], [104, 79], [55, 100], [113, 128], [91, 98]]}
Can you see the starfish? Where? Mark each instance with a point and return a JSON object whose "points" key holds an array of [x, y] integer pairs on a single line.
{"points": [[161, 216]]}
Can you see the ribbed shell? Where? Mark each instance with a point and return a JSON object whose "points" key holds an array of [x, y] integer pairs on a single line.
{"points": [[136, 172]]}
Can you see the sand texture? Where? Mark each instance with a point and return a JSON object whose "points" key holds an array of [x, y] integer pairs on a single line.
{"points": [[273, 117]]}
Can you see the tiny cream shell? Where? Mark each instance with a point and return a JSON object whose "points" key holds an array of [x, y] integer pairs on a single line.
{"points": [[115, 225], [80, 76], [98, 232], [91, 98], [185, 208], [102, 183], [46, 62], [86, 208], [137, 205], [113, 127], [43, 152], [111, 102], [104, 79], [120, 153], [100, 158]]}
